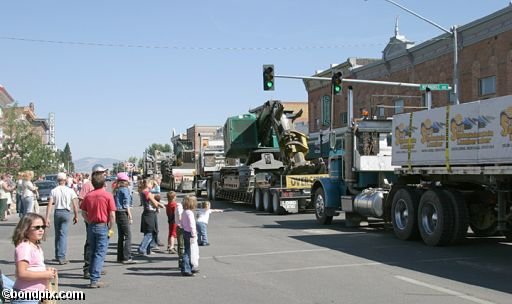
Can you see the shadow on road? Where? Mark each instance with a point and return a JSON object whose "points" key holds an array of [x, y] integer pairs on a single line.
{"points": [[482, 262]]}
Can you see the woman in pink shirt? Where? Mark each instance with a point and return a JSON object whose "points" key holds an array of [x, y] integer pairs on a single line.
{"points": [[31, 272]]}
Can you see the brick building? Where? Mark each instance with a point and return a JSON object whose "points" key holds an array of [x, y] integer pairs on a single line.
{"points": [[485, 71], [39, 126]]}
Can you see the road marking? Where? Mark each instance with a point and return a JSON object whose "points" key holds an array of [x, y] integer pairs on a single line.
{"points": [[265, 253], [444, 290], [310, 268], [330, 231]]}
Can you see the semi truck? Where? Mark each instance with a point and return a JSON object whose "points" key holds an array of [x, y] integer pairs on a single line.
{"points": [[178, 170], [430, 173], [265, 161]]}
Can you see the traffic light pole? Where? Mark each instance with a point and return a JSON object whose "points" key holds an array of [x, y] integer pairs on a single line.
{"points": [[390, 83]]}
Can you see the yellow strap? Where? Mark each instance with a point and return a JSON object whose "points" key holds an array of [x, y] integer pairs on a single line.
{"points": [[409, 142], [447, 140]]}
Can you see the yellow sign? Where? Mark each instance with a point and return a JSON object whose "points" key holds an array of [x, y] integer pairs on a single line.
{"points": [[302, 181]]}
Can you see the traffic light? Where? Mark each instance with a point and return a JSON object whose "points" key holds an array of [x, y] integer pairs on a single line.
{"points": [[268, 77], [336, 83]]}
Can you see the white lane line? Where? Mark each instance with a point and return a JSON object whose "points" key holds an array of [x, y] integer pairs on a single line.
{"points": [[309, 268], [444, 290], [265, 253]]}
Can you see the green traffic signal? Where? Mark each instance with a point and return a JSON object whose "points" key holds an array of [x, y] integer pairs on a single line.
{"points": [[336, 83], [268, 77]]}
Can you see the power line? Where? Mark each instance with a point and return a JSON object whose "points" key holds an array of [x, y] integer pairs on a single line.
{"points": [[191, 48]]}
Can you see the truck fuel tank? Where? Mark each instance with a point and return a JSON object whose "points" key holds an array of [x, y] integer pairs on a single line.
{"points": [[370, 202]]}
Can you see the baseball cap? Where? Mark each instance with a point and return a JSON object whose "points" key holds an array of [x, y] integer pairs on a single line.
{"points": [[122, 176], [98, 168], [61, 176]]}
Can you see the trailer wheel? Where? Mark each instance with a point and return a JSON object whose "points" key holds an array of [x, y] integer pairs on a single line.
{"points": [[214, 192], [258, 200], [209, 189], [404, 211], [435, 218], [483, 219], [319, 201], [267, 203], [275, 204], [460, 212]]}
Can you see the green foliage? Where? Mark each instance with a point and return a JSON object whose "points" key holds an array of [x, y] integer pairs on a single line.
{"points": [[162, 148], [22, 149]]}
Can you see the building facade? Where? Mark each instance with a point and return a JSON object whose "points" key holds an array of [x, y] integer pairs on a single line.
{"points": [[485, 71]]}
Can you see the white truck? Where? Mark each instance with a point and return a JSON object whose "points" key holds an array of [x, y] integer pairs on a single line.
{"points": [[449, 168]]}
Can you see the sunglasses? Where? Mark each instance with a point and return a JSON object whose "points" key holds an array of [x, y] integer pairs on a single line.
{"points": [[39, 227]]}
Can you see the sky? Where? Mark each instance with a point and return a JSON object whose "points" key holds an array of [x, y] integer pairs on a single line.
{"points": [[120, 75]]}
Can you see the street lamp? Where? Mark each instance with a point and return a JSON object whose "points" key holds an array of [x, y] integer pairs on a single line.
{"points": [[453, 32]]}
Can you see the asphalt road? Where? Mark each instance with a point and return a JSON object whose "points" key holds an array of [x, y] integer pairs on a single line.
{"points": [[259, 258]]}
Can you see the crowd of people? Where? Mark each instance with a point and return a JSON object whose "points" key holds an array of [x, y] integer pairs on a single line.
{"points": [[101, 210]]}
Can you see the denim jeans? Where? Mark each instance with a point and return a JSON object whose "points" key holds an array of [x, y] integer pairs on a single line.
{"points": [[61, 220], [187, 265], [181, 246], [28, 205], [145, 245], [3, 207], [124, 236], [97, 237], [202, 233]]}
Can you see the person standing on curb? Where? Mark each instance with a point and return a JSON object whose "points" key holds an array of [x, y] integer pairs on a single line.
{"points": [[124, 219], [98, 210], [64, 199]]}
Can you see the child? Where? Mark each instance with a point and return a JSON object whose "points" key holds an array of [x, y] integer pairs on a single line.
{"points": [[203, 215], [188, 223], [31, 272], [170, 209]]}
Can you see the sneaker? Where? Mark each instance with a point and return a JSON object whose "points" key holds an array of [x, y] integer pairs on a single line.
{"points": [[87, 275], [98, 284], [173, 251], [206, 244], [187, 274], [129, 262], [195, 270], [63, 262]]}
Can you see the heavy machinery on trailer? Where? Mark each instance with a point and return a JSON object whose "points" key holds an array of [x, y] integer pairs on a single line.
{"points": [[211, 160], [152, 163], [178, 171], [452, 169], [265, 161]]}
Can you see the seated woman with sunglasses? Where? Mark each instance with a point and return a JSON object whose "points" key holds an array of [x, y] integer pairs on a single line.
{"points": [[31, 272]]}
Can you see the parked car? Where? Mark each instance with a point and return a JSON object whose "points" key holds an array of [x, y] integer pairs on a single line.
{"points": [[44, 189], [51, 177]]}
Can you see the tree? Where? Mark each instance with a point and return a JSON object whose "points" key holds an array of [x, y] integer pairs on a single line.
{"points": [[162, 148], [22, 149], [66, 159]]}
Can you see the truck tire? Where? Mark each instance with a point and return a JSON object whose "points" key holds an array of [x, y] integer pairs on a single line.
{"points": [[276, 204], [214, 192], [258, 200], [319, 201], [267, 201], [483, 220], [435, 218], [209, 189], [404, 210], [460, 212]]}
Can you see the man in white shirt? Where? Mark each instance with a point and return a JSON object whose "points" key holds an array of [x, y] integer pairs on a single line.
{"points": [[64, 199]]}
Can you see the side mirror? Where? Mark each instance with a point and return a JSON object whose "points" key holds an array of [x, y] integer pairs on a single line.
{"points": [[332, 140]]}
